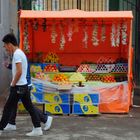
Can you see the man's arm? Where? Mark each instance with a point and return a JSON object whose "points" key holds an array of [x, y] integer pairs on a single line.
{"points": [[18, 74]]}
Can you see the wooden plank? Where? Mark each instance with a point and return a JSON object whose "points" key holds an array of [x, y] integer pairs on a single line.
{"points": [[49, 5], [95, 5], [82, 4], [70, 4], [88, 5], [61, 4], [75, 4], [78, 4], [66, 5], [103, 5], [91, 5], [99, 5]]}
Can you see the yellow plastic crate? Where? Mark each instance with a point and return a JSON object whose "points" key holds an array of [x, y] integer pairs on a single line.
{"points": [[57, 108], [85, 98], [56, 98], [86, 109]]}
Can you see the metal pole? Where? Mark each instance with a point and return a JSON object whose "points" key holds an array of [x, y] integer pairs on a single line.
{"points": [[138, 41]]}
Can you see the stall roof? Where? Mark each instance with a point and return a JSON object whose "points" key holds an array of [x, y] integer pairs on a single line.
{"points": [[75, 13]]}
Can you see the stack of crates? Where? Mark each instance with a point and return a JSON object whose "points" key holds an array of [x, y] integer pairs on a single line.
{"points": [[85, 103], [57, 103]]}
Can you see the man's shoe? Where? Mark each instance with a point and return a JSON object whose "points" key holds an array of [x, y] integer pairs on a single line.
{"points": [[35, 132], [10, 127], [48, 123]]}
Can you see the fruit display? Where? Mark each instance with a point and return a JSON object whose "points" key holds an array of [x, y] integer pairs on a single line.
{"points": [[50, 68], [108, 78], [76, 77], [34, 68], [85, 68], [104, 68], [42, 76], [93, 77], [60, 78], [51, 58], [120, 68]]}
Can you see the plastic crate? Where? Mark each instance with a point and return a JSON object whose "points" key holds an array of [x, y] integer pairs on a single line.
{"points": [[87, 109], [120, 67], [104, 68], [85, 98], [57, 108], [56, 98]]}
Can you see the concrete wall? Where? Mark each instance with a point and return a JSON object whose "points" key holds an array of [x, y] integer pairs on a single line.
{"points": [[8, 11]]}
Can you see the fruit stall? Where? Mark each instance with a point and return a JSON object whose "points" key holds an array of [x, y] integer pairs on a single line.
{"points": [[80, 62]]}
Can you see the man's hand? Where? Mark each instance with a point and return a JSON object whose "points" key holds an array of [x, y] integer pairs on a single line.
{"points": [[6, 64]]}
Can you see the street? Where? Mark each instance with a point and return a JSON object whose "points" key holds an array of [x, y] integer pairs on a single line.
{"points": [[73, 127]]}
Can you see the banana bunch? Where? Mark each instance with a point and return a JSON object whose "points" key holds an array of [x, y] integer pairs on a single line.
{"points": [[51, 58]]}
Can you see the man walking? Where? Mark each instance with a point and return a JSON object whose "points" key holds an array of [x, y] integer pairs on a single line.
{"points": [[18, 87], [47, 120]]}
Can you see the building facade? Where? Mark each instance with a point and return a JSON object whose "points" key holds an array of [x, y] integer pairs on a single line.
{"points": [[8, 23]]}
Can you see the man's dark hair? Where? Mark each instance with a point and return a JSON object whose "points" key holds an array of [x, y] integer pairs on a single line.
{"points": [[10, 38]]}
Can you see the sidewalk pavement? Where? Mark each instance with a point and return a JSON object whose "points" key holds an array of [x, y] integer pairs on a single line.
{"points": [[74, 127]]}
